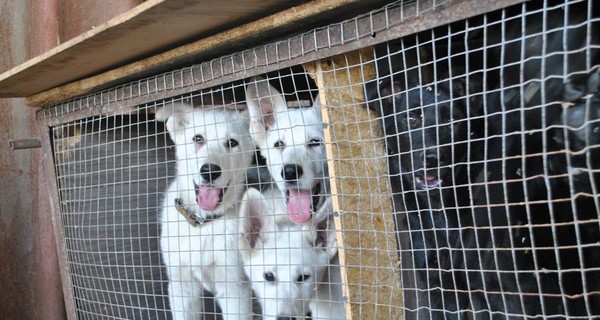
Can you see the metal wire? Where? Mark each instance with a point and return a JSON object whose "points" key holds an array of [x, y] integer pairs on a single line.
{"points": [[462, 158]]}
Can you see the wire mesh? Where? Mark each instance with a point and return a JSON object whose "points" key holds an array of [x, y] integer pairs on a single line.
{"points": [[455, 168], [495, 218]]}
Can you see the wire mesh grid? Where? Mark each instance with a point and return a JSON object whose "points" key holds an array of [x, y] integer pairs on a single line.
{"points": [[489, 123], [480, 201], [124, 229], [111, 173]]}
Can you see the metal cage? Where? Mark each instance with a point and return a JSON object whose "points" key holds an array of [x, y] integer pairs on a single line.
{"points": [[462, 150]]}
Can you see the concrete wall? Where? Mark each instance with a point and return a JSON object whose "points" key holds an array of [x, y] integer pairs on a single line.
{"points": [[30, 283]]}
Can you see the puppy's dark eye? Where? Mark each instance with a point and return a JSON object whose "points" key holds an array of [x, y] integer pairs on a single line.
{"points": [[279, 144], [269, 276], [232, 143], [315, 143], [303, 277], [198, 138], [413, 120]]}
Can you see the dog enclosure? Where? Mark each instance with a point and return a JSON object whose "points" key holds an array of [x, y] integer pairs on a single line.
{"points": [[462, 147]]}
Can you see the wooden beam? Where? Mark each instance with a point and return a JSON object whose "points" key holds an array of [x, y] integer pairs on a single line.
{"points": [[44, 82], [151, 27], [360, 188], [49, 180], [317, 74]]}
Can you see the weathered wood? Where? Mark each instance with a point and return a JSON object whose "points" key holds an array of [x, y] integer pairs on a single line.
{"points": [[318, 74], [151, 27], [301, 18], [46, 83], [51, 184], [361, 188]]}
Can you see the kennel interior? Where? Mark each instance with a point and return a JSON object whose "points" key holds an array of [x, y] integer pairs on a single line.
{"points": [[463, 149]]}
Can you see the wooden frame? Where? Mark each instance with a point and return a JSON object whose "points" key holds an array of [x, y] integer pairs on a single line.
{"points": [[79, 66], [49, 175], [371, 215], [364, 302]]}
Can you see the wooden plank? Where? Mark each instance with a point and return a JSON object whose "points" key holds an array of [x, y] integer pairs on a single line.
{"points": [[318, 74], [361, 188], [49, 180], [144, 30], [302, 17], [84, 15]]}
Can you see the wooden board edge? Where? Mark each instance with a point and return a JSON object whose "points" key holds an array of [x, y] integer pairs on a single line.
{"points": [[126, 16], [208, 47], [367, 215], [334, 190]]}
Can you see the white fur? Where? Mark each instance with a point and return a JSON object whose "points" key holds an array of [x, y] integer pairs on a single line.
{"points": [[288, 251], [299, 129], [206, 256]]}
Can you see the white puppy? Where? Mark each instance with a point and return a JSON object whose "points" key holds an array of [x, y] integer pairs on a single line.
{"points": [[292, 141], [199, 217], [291, 266]]}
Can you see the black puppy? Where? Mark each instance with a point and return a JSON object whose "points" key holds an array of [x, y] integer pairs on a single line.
{"points": [[528, 251], [426, 131], [580, 131], [575, 162], [510, 251]]}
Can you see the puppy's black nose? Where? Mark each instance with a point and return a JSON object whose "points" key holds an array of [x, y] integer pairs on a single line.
{"points": [[210, 172], [431, 159], [291, 172]]}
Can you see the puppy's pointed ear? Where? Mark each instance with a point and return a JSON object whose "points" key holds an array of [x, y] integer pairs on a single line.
{"points": [[177, 116], [579, 85], [263, 102], [593, 83], [382, 97], [253, 214], [322, 230]]}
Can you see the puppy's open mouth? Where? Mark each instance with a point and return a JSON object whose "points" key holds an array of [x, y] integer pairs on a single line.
{"points": [[209, 197], [427, 181], [303, 202]]}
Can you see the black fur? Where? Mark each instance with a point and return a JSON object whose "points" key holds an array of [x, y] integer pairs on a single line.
{"points": [[576, 165], [527, 204], [426, 132], [522, 239], [579, 133]]}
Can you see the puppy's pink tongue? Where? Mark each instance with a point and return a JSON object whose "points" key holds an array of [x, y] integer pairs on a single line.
{"points": [[299, 205], [432, 181], [208, 197]]}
